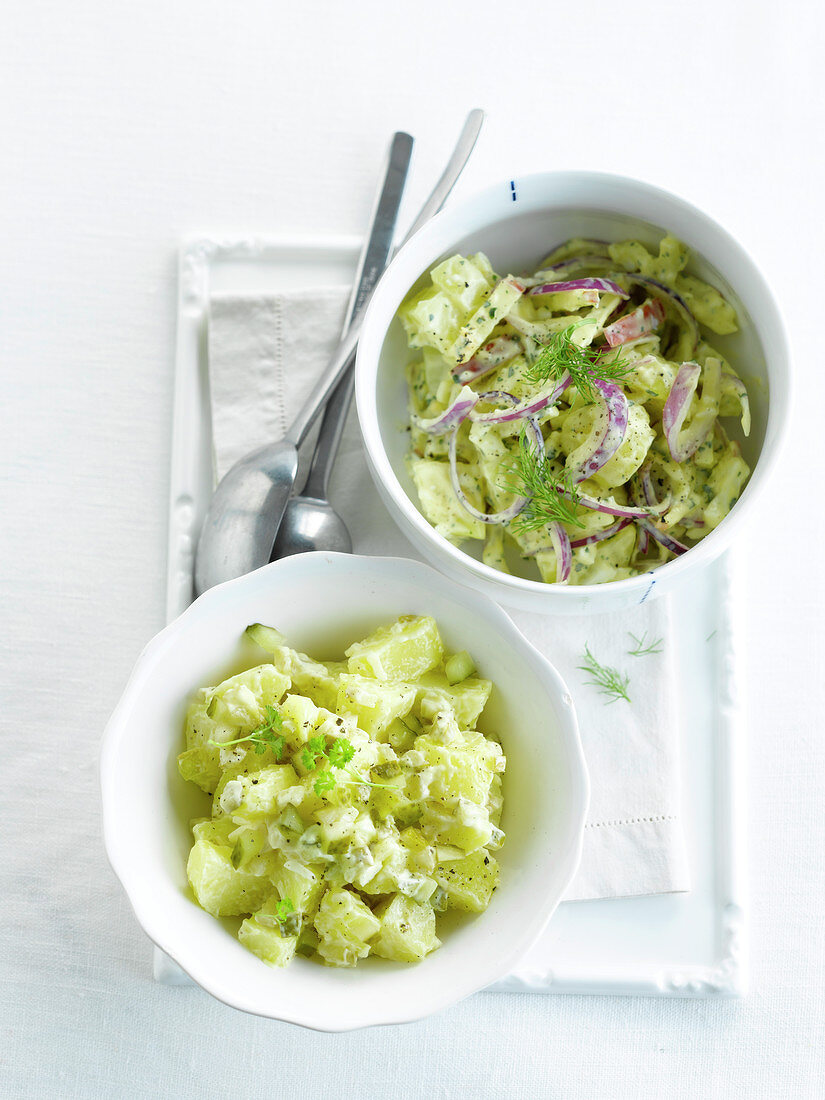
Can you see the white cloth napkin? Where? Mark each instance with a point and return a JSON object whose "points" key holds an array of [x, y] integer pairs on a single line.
{"points": [[265, 353]]}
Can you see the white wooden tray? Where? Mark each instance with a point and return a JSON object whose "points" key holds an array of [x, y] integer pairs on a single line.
{"points": [[667, 945]]}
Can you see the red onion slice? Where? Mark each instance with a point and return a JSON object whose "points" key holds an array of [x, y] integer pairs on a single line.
{"points": [[734, 385], [668, 541], [489, 357], [682, 444], [520, 411], [644, 491], [603, 286], [458, 410], [606, 435], [599, 536], [643, 320], [674, 297], [644, 541], [518, 505], [624, 511], [564, 555]]}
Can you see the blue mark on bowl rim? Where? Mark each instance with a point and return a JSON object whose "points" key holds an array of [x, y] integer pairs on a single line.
{"points": [[513, 189], [649, 590]]}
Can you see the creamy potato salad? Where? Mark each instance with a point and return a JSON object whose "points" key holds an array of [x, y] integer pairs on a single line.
{"points": [[352, 802], [572, 417]]}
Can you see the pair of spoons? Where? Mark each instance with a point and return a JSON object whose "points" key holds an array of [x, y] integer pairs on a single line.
{"points": [[252, 518]]}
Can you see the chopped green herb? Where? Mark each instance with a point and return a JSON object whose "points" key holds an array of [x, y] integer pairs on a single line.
{"points": [[531, 476], [284, 908], [263, 737], [561, 356], [643, 647], [609, 681], [338, 754]]}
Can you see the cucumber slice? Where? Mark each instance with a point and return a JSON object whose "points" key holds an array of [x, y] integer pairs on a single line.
{"points": [[459, 667], [267, 637]]}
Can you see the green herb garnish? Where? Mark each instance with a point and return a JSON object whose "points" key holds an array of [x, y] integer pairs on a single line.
{"points": [[284, 908], [552, 498], [561, 356], [263, 737], [643, 647], [608, 680], [337, 754]]}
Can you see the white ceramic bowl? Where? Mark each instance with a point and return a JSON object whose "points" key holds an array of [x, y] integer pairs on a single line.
{"points": [[323, 602], [517, 223]]}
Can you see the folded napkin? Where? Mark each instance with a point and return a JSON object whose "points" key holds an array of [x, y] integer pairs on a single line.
{"points": [[265, 353]]}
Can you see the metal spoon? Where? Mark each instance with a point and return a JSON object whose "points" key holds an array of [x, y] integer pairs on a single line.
{"points": [[242, 522], [310, 522]]}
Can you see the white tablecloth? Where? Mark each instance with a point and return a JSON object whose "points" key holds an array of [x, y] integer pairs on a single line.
{"points": [[125, 127]]}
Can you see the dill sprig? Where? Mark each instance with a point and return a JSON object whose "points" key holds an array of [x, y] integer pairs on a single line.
{"points": [[608, 680], [531, 476], [643, 647], [561, 356]]}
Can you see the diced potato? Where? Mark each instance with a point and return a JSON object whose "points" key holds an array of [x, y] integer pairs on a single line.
{"points": [[467, 698], [269, 935], [441, 506], [344, 924], [240, 700], [462, 774], [300, 884], [468, 835], [404, 650], [469, 882], [317, 681], [467, 280], [299, 716], [407, 930], [258, 794], [200, 766], [373, 703], [220, 888]]}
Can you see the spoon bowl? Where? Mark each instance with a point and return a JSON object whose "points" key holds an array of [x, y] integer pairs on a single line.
{"points": [[245, 514], [308, 525]]}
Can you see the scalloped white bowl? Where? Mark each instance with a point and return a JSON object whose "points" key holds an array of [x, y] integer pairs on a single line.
{"points": [[322, 602], [516, 223]]}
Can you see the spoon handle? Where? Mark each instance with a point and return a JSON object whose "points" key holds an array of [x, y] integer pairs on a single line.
{"points": [[371, 263], [346, 349]]}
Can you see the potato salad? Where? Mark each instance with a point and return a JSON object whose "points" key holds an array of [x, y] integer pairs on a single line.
{"points": [[352, 801], [570, 421]]}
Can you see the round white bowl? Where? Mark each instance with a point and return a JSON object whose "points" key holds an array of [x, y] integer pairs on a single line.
{"points": [[517, 223], [322, 602]]}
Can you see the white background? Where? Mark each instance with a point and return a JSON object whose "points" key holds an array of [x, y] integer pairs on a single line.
{"points": [[124, 126]]}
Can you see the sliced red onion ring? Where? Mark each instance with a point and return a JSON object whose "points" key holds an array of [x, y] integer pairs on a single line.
{"points": [[456, 411], [625, 511], [692, 522], [668, 541], [732, 384], [648, 492], [489, 357], [518, 505], [675, 298], [606, 435], [644, 541], [520, 411], [607, 533], [642, 321], [682, 444], [564, 555], [603, 286]]}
